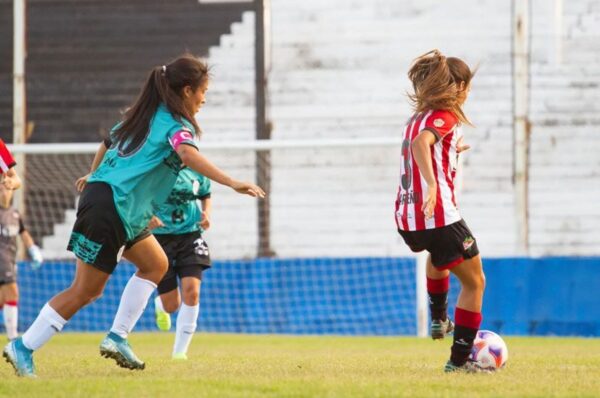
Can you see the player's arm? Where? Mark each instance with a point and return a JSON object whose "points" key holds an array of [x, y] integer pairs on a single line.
{"points": [[206, 206], [193, 159], [80, 183], [421, 151], [11, 180], [32, 249]]}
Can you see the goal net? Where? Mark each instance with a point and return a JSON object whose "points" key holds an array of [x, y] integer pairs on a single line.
{"points": [[336, 263]]}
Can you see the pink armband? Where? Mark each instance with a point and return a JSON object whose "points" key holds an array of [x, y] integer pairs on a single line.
{"points": [[180, 137]]}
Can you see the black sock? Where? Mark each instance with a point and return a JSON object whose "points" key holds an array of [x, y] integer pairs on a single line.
{"points": [[438, 306], [462, 345]]}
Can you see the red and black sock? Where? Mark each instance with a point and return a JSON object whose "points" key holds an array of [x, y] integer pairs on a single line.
{"points": [[438, 297], [465, 330]]}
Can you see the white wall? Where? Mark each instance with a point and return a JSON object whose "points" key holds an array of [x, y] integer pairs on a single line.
{"points": [[339, 71]]}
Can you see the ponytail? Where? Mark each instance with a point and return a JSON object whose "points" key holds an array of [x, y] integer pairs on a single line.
{"points": [[437, 82], [164, 85]]}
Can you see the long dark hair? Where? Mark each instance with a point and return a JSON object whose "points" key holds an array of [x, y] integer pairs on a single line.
{"points": [[164, 85], [436, 82]]}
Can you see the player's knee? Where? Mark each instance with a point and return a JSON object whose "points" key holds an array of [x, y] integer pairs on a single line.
{"points": [[160, 269], [156, 272], [478, 283], [191, 295], [11, 295], [483, 281]]}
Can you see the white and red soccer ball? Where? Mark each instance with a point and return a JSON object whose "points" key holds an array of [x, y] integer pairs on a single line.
{"points": [[489, 350]]}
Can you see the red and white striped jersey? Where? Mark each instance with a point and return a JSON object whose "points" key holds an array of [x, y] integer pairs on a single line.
{"points": [[413, 187], [6, 159]]}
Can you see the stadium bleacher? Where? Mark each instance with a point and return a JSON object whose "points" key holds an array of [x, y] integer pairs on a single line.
{"points": [[341, 79]]}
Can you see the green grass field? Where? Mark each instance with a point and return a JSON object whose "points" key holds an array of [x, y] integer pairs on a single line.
{"points": [[312, 366]]}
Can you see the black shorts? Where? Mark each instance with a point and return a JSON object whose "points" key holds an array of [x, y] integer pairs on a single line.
{"points": [[448, 246], [98, 234], [188, 255], [8, 273]]}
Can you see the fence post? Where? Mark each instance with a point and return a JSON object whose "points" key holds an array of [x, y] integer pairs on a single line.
{"points": [[521, 124], [263, 124]]}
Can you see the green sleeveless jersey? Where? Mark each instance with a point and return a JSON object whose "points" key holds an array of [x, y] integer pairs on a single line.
{"points": [[142, 177], [181, 213]]}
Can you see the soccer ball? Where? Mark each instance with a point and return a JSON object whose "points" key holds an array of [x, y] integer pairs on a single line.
{"points": [[489, 350]]}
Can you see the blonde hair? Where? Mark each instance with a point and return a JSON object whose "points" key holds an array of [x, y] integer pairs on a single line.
{"points": [[437, 82]]}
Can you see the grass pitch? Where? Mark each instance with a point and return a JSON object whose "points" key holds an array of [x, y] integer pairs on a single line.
{"points": [[307, 366]]}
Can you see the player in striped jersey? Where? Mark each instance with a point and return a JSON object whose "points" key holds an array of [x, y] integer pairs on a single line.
{"points": [[8, 176], [426, 212]]}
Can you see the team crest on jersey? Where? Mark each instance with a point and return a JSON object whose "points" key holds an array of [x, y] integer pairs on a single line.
{"points": [[438, 122], [468, 242]]}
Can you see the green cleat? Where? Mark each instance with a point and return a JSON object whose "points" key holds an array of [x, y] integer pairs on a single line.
{"points": [[180, 356], [20, 357], [163, 318], [468, 367], [115, 347], [439, 329]]}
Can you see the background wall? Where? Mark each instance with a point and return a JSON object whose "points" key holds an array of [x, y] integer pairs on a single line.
{"points": [[353, 296]]}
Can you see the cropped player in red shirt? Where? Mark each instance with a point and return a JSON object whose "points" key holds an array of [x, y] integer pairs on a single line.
{"points": [[8, 176], [426, 213]]}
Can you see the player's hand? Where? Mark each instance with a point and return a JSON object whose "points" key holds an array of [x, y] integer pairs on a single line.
{"points": [[9, 183], [248, 189], [81, 182], [429, 204], [460, 147], [36, 257], [205, 222], [154, 223]]}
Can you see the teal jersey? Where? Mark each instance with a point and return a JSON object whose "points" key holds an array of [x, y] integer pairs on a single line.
{"points": [[181, 213], [142, 177]]}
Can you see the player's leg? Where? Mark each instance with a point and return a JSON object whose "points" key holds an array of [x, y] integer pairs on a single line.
{"points": [[187, 319], [9, 297], [151, 262], [192, 260], [168, 298], [87, 285], [170, 301], [438, 283], [454, 248], [468, 311], [167, 301], [10, 300]]}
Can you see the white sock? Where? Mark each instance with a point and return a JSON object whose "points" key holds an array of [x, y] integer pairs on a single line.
{"points": [[158, 304], [47, 324], [11, 320], [133, 302], [186, 326]]}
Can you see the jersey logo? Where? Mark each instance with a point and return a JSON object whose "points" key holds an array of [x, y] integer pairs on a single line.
{"points": [[438, 122], [200, 247], [468, 243], [177, 216]]}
